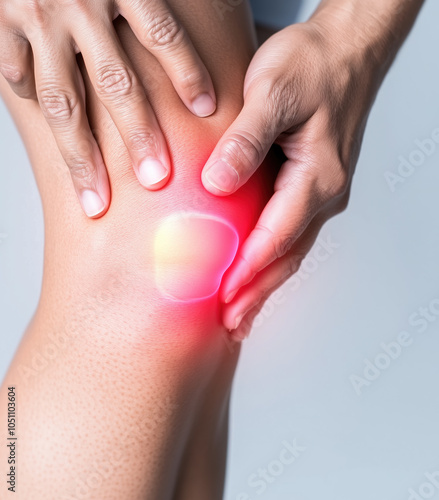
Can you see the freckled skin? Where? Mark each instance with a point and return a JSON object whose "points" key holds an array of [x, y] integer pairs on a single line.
{"points": [[122, 394]]}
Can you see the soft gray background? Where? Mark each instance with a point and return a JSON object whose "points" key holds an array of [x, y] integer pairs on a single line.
{"points": [[293, 381]]}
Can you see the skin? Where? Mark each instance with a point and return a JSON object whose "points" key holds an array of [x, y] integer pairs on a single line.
{"points": [[39, 40], [119, 389], [142, 374], [309, 89]]}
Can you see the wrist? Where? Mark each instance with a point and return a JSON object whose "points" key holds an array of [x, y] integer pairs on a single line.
{"points": [[369, 33]]}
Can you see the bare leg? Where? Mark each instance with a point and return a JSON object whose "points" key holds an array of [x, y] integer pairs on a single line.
{"points": [[122, 392]]}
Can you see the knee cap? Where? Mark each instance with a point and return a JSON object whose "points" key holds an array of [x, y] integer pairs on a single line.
{"points": [[192, 251]]}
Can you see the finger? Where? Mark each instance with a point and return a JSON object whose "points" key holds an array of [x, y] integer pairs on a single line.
{"points": [[17, 64], [120, 91], [242, 148], [271, 278], [157, 28], [284, 218], [60, 96], [259, 289], [246, 325]]}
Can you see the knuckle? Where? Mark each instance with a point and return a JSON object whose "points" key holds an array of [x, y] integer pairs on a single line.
{"points": [[57, 104], [342, 203], [252, 267], [85, 147], [244, 148], [296, 261], [115, 80], [293, 264], [281, 98], [13, 73], [36, 15], [281, 245], [163, 32], [34, 7], [141, 141], [261, 296], [340, 181], [81, 169], [192, 80], [41, 9]]}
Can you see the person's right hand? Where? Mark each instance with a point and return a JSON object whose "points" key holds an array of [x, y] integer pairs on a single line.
{"points": [[39, 40]]}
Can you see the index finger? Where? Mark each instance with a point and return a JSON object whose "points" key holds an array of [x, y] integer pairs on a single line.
{"points": [[159, 31], [284, 218], [121, 92]]}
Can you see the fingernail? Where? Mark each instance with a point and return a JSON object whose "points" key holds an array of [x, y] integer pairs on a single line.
{"points": [[203, 105], [222, 176], [151, 172], [230, 297], [238, 320], [92, 203]]}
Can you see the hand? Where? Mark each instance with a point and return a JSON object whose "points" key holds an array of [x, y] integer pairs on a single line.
{"points": [[312, 98], [41, 37]]}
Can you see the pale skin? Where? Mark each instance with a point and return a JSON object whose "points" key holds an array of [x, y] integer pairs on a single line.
{"points": [[38, 43], [110, 375], [142, 384], [309, 88]]}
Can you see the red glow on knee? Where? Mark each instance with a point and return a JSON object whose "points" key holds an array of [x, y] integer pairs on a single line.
{"points": [[192, 251]]}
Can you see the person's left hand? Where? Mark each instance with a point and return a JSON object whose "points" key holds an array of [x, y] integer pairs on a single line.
{"points": [[310, 93]]}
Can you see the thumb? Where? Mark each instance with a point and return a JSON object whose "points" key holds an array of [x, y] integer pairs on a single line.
{"points": [[243, 146]]}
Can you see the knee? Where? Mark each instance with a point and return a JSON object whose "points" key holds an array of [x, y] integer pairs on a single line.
{"points": [[191, 253]]}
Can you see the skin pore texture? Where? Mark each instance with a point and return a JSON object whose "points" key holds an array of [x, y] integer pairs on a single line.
{"points": [[123, 376]]}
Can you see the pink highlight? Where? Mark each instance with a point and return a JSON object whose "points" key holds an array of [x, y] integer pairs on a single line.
{"points": [[192, 252]]}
